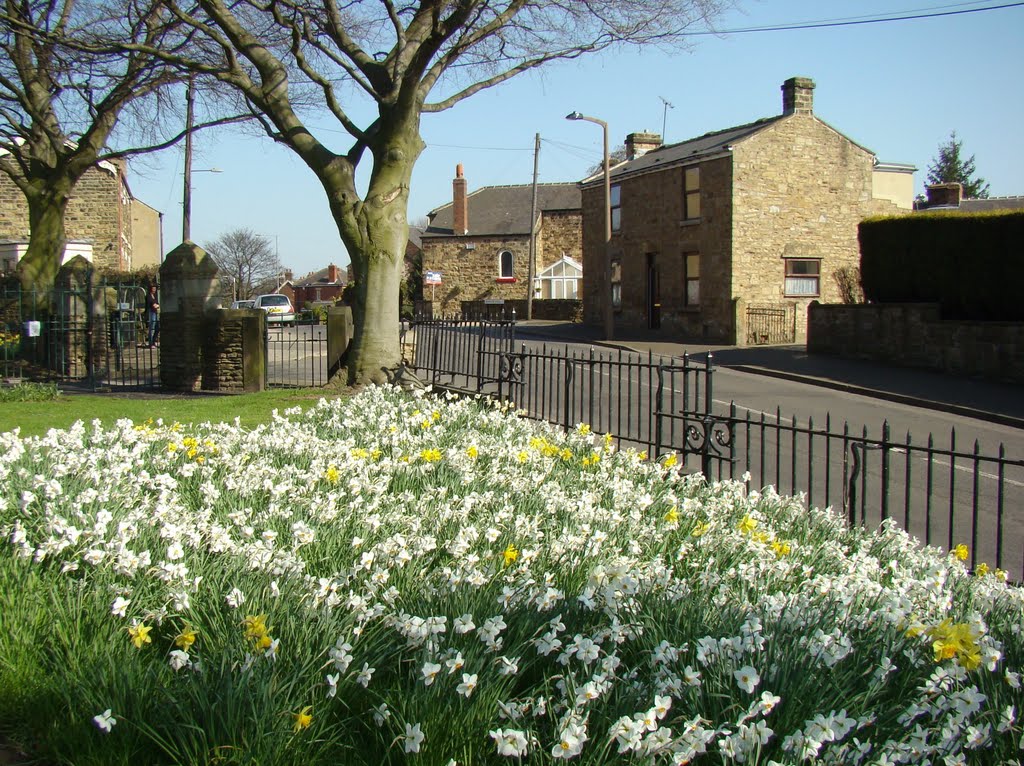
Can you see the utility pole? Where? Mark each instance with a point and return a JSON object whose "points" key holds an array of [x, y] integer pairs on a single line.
{"points": [[532, 267]]}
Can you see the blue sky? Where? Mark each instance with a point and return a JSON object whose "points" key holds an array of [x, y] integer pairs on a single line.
{"points": [[897, 88]]}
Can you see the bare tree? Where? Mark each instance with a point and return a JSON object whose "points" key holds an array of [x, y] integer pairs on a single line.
{"points": [[247, 258], [66, 95], [405, 59]]}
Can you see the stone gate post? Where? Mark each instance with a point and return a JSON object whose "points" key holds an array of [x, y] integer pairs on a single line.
{"points": [[188, 286]]}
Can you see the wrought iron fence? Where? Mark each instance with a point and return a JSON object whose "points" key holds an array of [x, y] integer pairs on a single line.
{"points": [[939, 491], [93, 335]]}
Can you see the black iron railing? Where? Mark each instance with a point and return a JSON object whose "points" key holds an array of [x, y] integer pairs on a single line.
{"points": [[937, 490]]}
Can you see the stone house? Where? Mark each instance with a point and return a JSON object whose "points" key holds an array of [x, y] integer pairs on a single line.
{"points": [[479, 245], [729, 236], [99, 223]]}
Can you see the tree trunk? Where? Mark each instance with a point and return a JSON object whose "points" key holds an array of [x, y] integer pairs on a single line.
{"points": [[376, 233], [38, 268]]}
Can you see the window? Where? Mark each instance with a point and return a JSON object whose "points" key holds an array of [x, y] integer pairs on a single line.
{"points": [[803, 276], [691, 194], [505, 265], [616, 283], [691, 278], [615, 203]]}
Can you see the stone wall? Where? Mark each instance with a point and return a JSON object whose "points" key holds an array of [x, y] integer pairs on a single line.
{"points": [[914, 335], [99, 212]]}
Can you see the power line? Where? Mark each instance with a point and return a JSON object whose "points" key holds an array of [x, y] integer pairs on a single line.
{"points": [[853, 21]]}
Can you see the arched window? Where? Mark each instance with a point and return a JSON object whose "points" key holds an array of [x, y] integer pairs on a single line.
{"points": [[505, 265]]}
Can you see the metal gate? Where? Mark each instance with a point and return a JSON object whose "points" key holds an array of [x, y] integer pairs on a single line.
{"points": [[94, 335], [297, 353], [771, 324]]}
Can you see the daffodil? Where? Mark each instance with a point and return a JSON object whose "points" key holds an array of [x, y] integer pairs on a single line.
{"points": [[961, 552], [303, 718], [140, 634], [672, 516], [332, 475], [747, 524], [701, 529], [186, 638], [510, 555], [472, 452]]}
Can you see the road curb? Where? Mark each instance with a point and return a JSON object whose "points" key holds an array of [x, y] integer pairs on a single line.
{"points": [[874, 393]]}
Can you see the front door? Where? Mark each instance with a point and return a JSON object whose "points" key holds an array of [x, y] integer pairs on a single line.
{"points": [[653, 292]]}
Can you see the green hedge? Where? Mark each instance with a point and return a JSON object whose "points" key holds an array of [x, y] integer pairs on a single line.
{"points": [[970, 264]]}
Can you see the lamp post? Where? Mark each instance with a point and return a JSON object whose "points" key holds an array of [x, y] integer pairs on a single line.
{"points": [[609, 318]]}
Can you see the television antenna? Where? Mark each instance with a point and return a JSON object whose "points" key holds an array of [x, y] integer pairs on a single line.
{"points": [[664, 116]]}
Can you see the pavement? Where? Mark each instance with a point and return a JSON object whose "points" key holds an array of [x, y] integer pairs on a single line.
{"points": [[988, 400]]}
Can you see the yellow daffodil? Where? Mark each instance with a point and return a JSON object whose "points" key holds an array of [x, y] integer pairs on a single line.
{"points": [[781, 548], [957, 640], [472, 452], [672, 516], [431, 455], [671, 461], [747, 525], [186, 638], [701, 529], [140, 635], [981, 570], [333, 475], [255, 626], [358, 453], [522, 456], [510, 555], [583, 428], [1000, 574], [961, 552], [172, 447], [303, 718]]}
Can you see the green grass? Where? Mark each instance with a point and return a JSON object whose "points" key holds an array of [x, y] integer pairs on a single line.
{"points": [[35, 418]]}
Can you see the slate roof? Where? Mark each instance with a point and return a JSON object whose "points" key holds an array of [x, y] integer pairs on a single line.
{"points": [[320, 278], [504, 210], [977, 205]]}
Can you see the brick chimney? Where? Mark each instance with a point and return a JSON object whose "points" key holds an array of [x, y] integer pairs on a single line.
{"points": [[944, 194], [798, 96], [288, 275], [332, 273], [460, 208], [638, 144]]}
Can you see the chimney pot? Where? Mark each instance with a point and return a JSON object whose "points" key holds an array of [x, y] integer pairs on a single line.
{"points": [[332, 273], [798, 96]]}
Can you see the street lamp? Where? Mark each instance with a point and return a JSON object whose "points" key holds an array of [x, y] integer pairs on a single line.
{"points": [[609, 319]]}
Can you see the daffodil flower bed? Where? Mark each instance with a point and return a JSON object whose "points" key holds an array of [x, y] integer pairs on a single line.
{"points": [[397, 578]]}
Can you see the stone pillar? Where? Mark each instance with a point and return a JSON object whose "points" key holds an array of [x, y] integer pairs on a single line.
{"points": [[188, 289], [739, 322], [234, 350], [339, 334]]}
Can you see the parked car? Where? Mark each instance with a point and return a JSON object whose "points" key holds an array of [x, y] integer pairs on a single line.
{"points": [[278, 307], [244, 304]]}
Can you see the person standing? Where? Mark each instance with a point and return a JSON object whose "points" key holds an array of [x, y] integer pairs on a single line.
{"points": [[153, 315]]}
